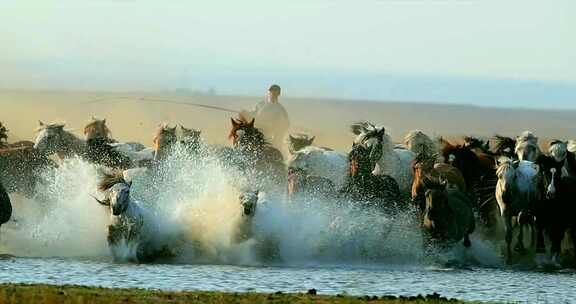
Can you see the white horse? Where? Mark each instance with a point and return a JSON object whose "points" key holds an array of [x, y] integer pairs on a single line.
{"points": [[572, 146], [132, 228], [394, 162], [320, 162], [517, 191], [54, 139], [420, 143], [527, 146]]}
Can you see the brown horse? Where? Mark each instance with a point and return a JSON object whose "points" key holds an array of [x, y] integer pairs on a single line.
{"points": [[97, 129], [425, 167], [448, 216], [164, 140], [254, 153], [21, 165]]}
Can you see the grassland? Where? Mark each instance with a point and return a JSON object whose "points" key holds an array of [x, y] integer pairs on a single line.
{"points": [[49, 294]]}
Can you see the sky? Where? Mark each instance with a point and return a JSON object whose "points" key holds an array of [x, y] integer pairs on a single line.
{"points": [[484, 52]]}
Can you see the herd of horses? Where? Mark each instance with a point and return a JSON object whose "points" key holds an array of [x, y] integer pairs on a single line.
{"points": [[505, 183]]}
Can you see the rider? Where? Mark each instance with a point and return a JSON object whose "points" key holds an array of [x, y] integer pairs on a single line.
{"points": [[271, 117]]}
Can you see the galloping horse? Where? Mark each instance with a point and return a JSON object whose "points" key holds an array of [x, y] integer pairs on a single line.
{"points": [[5, 206], [320, 169], [396, 163], [424, 167], [255, 156], [556, 213], [448, 216], [164, 140], [191, 140], [133, 234], [21, 166], [362, 186], [421, 144], [517, 194]]}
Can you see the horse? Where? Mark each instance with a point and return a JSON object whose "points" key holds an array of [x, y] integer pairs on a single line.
{"points": [[54, 139], [527, 147], [420, 143], [5, 205], [391, 161], [448, 216], [3, 136], [572, 146], [320, 169], [555, 213], [424, 167], [362, 186], [253, 154], [248, 202], [517, 194], [191, 140], [164, 140], [133, 234], [298, 142], [303, 185]]}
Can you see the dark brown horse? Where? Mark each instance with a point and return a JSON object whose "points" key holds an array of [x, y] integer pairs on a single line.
{"points": [[253, 154], [362, 186], [448, 217], [5, 206], [555, 215], [479, 172], [424, 166]]}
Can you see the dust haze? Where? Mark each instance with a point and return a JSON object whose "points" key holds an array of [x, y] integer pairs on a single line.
{"points": [[328, 120]]}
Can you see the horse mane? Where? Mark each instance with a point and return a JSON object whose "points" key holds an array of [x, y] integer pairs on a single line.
{"points": [[558, 148], [503, 142], [528, 137], [358, 127], [475, 142], [108, 180]]}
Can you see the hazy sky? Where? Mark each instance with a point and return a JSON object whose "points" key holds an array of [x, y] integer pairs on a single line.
{"points": [[154, 45]]}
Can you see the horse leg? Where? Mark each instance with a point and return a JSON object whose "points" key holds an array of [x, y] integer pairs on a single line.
{"points": [[508, 232], [520, 244], [556, 236], [467, 242]]}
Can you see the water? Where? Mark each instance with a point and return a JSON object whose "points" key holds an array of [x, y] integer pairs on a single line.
{"points": [[481, 284], [60, 238]]}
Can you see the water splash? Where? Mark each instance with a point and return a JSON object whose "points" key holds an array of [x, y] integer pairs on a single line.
{"points": [[195, 204]]}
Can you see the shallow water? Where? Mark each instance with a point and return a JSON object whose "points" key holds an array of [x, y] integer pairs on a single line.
{"points": [[482, 284], [60, 238]]}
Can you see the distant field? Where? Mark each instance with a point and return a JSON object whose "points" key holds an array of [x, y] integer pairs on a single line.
{"points": [[327, 119], [47, 294]]}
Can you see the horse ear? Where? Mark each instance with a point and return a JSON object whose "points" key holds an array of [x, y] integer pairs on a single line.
{"points": [[40, 123], [251, 123], [234, 122], [291, 138], [103, 203], [104, 121], [312, 139]]}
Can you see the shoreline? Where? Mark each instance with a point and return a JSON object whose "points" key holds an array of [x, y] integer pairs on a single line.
{"points": [[44, 293]]}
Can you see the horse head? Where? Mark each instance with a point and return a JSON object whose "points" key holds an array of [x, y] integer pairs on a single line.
{"points": [[117, 192], [299, 141], [419, 143], [527, 146], [96, 129], [49, 138], [246, 137], [362, 160], [551, 173], [3, 135], [249, 201], [164, 140]]}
